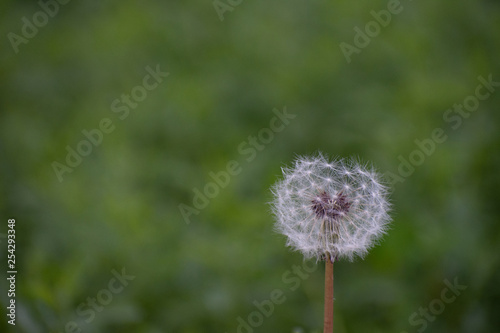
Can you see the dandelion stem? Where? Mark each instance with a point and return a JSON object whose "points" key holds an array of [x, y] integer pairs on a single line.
{"points": [[328, 326]]}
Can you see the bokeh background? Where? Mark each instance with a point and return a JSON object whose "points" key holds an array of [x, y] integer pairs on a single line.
{"points": [[119, 209]]}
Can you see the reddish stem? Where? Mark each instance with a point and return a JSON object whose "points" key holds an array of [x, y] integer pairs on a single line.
{"points": [[328, 326]]}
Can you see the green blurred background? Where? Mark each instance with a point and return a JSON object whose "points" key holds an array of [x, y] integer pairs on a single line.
{"points": [[120, 207]]}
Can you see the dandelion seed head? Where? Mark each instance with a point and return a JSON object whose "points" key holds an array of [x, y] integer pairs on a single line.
{"points": [[333, 208]]}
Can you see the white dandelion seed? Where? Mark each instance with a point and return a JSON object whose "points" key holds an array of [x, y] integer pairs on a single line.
{"points": [[331, 209]]}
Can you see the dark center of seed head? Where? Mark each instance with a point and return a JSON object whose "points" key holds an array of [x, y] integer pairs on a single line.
{"points": [[324, 205]]}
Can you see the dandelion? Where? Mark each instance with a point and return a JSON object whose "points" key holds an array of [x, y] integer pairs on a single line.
{"points": [[331, 210]]}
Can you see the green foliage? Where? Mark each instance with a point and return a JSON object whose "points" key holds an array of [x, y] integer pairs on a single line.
{"points": [[119, 208]]}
